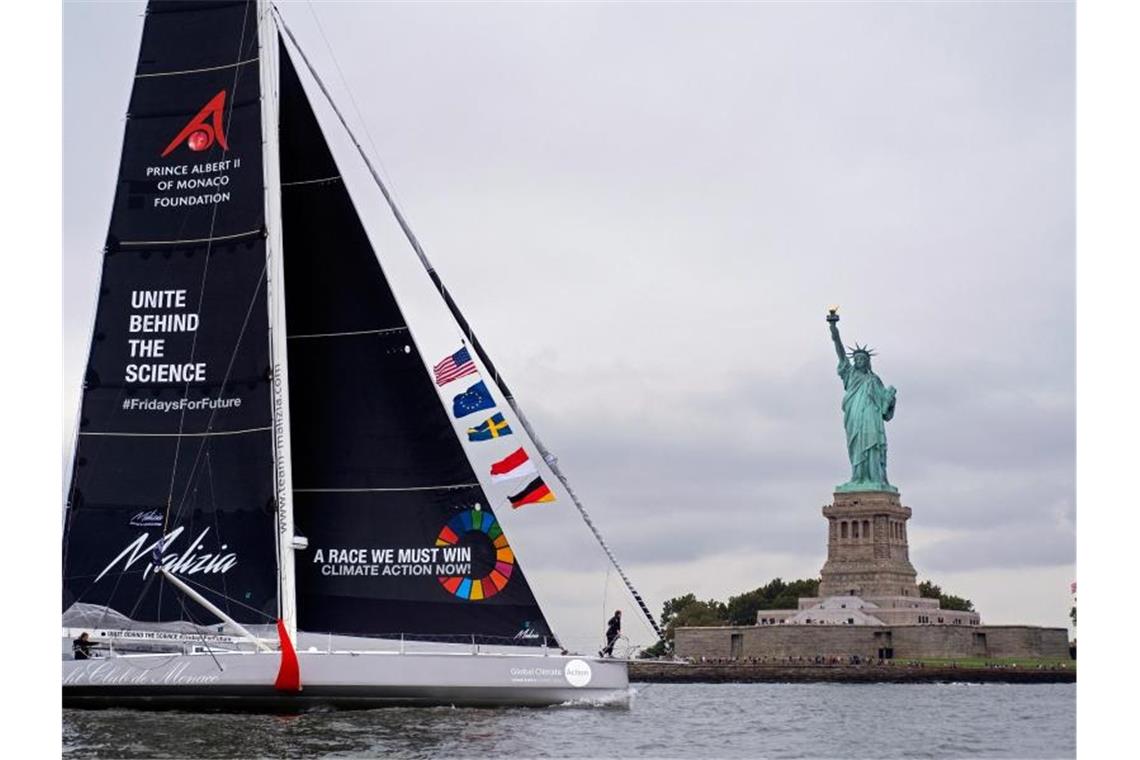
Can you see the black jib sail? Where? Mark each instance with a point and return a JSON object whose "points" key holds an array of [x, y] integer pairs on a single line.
{"points": [[402, 538], [174, 458]]}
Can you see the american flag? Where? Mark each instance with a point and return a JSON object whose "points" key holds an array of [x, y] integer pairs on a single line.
{"points": [[455, 366]]}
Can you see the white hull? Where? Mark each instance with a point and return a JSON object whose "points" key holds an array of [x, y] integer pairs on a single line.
{"points": [[244, 680]]}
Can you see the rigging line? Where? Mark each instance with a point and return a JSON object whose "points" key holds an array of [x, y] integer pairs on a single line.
{"points": [[550, 459], [217, 521], [238, 602], [115, 590], [347, 89], [107, 607], [72, 484], [360, 149], [225, 379], [142, 594], [195, 71], [197, 625], [201, 295]]}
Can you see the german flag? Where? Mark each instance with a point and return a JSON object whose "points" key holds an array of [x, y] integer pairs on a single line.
{"points": [[536, 492]]}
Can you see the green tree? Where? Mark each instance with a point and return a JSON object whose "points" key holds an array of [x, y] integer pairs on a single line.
{"points": [[672, 606], [742, 608], [1073, 615], [696, 614], [951, 602], [776, 595], [688, 611], [808, 587], [928, 590]]}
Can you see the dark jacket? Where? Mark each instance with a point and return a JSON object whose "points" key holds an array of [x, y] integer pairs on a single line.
{"points": [[81, 649]]}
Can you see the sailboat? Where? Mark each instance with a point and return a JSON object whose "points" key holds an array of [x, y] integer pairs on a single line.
{"points": [[282, 494]]}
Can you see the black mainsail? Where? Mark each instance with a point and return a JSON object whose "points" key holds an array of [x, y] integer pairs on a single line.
{"points": [[174, 458]]}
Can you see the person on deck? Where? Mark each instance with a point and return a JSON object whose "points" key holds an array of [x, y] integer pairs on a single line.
{"points": [[81, 647], [613, 630]]}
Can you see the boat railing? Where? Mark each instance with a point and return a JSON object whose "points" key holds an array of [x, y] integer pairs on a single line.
{"points": [[418, 643], [309, 643]]}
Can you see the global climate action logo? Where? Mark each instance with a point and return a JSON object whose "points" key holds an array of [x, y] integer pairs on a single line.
{"points": [[503, 563], [577, 673], [204, 129]]}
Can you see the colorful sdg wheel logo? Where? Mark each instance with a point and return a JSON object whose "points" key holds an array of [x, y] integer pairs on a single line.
{"points": [[467, 587]]}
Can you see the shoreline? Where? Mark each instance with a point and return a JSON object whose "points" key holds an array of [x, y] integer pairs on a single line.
{"points": [[679, 672]]}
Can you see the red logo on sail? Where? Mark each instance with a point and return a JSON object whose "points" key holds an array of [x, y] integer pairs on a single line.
{"points": [[204, 129]]}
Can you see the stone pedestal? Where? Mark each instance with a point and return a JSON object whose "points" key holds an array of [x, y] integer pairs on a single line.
{"points": [[867, 553]]}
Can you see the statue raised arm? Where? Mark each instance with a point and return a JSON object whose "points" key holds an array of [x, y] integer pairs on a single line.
{"points": [[833, 324], [867, 404]]}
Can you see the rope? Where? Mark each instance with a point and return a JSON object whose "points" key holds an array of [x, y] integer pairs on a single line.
{"points": [[551, 460]]}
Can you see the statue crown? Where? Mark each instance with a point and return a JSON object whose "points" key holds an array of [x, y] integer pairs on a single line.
{"points": [[867, 350]]}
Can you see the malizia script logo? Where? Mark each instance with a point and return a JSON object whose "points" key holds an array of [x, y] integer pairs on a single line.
{"points": [[204, 129], [184, 559], [149, 519]]}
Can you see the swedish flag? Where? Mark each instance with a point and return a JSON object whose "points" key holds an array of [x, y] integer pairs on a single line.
{"points": [[495, 427]]}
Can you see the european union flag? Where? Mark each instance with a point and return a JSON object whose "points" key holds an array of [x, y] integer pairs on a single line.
{"points": [[472, 400], [495, 427]]}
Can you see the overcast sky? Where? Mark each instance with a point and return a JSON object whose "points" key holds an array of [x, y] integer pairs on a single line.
{"points": [[645, 210]]}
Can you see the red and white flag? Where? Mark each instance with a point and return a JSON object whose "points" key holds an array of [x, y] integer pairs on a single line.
{"points": [[515, 465]]}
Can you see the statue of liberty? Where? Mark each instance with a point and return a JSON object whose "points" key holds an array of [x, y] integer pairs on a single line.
{"points": [[867, 404]]}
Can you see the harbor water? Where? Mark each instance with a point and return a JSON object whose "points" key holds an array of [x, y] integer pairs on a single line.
{"points": [[664, 720]]}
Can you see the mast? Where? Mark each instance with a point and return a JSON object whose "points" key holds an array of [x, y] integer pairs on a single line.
{"points": [[275, 290]]}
